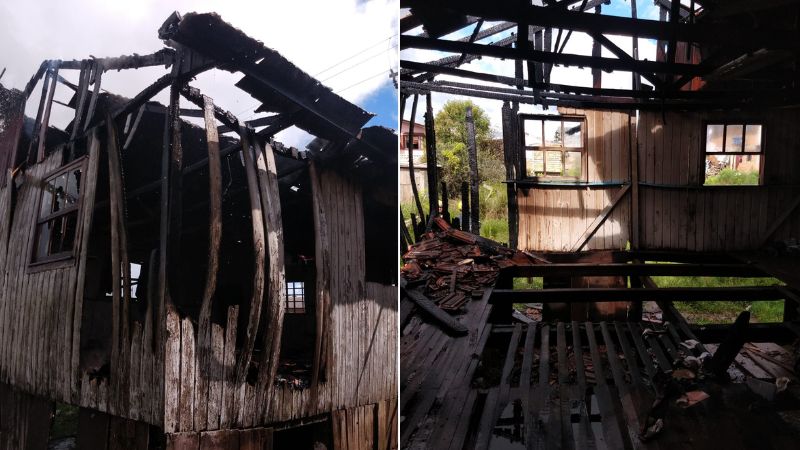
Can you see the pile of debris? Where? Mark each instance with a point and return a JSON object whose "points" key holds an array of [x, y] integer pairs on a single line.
{"points": [[450, 266]]}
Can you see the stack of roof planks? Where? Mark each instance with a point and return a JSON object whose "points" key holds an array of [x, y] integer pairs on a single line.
{"points": [[451, 266]]}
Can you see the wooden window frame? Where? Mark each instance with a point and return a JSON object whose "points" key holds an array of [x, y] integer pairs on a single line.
{"points": [[583, 149], [290, 302], [706, 153], [59, 259]]}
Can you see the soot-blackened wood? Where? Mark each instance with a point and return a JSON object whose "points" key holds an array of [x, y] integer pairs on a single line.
{"points": [[82, 93], [48, 80], [322, 342], [120, 264], [96, 76], [47, 109], [175, 215], [214, 236], [259, 253], [465, 223], [445, 203], [510, 138], [410, 147], [597, 75], [442, 318], [431, 159], [731, 346], [475, 224], [637, 80], [570, 295], [271, 208]]}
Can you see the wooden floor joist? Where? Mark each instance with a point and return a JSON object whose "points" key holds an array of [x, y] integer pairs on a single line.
{"points": [[571, 295], [619, 269]]}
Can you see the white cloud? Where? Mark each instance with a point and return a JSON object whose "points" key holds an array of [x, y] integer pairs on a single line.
{"points": [[314, 35]]}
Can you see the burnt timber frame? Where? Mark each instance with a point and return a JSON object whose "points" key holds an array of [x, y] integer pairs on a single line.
{"points": [[181, 349]]}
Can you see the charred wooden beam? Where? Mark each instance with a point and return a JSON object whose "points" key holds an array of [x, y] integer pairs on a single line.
{"points": [[554, 58], [474, 182], [431, 159], [635, 269], [623, 55], [259, 255], [673, 93], [276, 288], [96, 77], [755, 332], [443, 319], [730, 347], [164, 57], [510, 155], [40, 141], [572, 295], [322, 255], [716, 33], [410, 149], [465, 210]]}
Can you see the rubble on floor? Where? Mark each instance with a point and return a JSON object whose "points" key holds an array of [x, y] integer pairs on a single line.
{"points": [[451, 266]]}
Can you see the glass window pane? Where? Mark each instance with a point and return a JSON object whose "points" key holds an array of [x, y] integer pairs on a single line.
{"points": [[733, 138], [534, 163], [714, 138], [47, 200], [553, 163], [533, 133], [73, 186], [552, 133], [68, 232], [573, 134], [752, 138], [727, 170], [572, 164], [60, 193], [42, 240]]}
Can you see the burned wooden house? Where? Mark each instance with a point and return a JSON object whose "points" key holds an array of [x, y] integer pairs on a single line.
{"points": [[692, 172], [184, 279]]}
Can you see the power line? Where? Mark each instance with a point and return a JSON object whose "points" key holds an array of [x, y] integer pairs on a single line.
{"points": [[353, 56], [359, 82], [382, 52]]}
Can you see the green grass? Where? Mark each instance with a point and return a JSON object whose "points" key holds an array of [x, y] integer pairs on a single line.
{"points": [[702, 313], [65, 421], [728, 177], [495, 229]]}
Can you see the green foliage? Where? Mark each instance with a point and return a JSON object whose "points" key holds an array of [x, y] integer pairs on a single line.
{"points": [[728, 176], [451, 145], [702, 313], [495, 229], [494, 201]]}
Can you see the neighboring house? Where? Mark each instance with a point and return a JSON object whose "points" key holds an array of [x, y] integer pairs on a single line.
{"points": [[420, 166]]}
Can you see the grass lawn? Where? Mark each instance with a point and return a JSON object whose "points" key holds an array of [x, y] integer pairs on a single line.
{"points": [[494, 225], [724, 312]]}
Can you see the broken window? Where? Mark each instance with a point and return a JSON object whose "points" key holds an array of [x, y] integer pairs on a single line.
{"points": [[733, 154], [58, 214], [554, 147], [295, 297]]}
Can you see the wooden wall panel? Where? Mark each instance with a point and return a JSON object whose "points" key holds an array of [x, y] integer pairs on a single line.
{"points": [[363, 332], [553, 218], [678, 213], [24, 420]]}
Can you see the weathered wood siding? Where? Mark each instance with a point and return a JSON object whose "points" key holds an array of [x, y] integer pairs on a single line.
{"points": [[363, 335], [677, 212], [554, 217], [41, 312], [24, 420], [37, 308]]}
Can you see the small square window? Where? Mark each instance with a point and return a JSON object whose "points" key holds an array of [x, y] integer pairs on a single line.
{"points": [[554, 147], [734, 154], [295, 297]]}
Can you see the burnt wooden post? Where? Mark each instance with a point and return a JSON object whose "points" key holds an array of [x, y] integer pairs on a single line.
{"points": [[465, 206], [510, 155], [731, 346], [430, 155], [597, 75], [410, 148], [475, 224], [637, 80], [445, 204]]}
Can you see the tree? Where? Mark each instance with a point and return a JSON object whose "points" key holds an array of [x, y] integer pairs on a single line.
{"points": [[451, 145]]}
